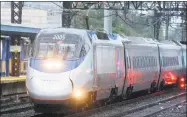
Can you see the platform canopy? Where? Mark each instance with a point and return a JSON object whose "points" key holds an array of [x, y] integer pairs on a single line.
{"points": [[19, 29]]}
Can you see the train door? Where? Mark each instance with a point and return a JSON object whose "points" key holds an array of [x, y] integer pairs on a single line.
{"points": [[127, 80], [120, 68], [105, 70]]}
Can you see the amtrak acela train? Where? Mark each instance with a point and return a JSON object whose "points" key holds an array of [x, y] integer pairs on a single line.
{"points": [[69, 67]]}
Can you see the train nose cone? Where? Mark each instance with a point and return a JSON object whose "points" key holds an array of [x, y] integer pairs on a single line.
{"points": [[46, 88]]}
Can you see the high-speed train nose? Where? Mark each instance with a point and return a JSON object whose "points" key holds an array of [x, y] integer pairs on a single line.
{"points": [[42, 88]]}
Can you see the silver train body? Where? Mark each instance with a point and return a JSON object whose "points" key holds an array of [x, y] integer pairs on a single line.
{"points": [[68, 65]]}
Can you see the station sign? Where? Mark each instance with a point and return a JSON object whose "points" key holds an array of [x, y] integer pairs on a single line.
{"points": [[15, 48]]}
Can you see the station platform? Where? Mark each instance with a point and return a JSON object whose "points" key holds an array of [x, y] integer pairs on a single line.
{"points": [[12, 79], [12, 85]]}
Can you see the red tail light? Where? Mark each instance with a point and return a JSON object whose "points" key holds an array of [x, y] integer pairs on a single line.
{"points": [[182, 79], [182, 83]]}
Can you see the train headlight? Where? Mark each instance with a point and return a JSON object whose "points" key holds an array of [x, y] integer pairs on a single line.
{"points": [[53, 64], [78, 94]]}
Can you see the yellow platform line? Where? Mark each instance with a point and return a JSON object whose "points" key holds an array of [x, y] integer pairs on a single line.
{"points": [[20, 78]]}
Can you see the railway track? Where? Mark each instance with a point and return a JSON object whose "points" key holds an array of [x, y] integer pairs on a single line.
{"points": [[174, 93], [14, 103], [118, 110]]}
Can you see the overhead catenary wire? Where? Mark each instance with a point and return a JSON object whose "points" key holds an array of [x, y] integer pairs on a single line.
{"points": [[126, 20], [134, 27]]}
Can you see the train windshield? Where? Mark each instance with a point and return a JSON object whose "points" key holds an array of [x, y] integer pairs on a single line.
{"points": [[59, 45]]}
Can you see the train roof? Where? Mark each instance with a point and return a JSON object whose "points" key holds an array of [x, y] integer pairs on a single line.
{"points": [[68, 30], [180, 44], [140, 40], [117, 37], [168, 42]]}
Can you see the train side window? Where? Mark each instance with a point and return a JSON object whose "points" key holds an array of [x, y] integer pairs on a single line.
{"points": [[144, 62], [155, 61], [141, 62], [177, 60], [151, 59], [173, 61], [138, 62], [166, 61], [153, 64], [170, 64], [163, 61], [134, 63], [148, 61]]}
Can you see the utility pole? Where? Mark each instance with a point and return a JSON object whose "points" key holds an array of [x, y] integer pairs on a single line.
{"points": [[167, 21], [185, 25], [16, 17], [157, 23], [66, 15], [108, 20]]}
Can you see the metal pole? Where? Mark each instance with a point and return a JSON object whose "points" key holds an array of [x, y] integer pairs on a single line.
{"points": [[66, 15], [156, 25], [167, 22], [108, 21], [16, 17]]}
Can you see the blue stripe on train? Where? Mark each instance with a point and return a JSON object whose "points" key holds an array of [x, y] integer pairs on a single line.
{"points": [[68, 65], [112, 36]]}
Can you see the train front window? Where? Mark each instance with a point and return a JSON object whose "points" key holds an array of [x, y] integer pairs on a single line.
{"points": [[50, 47]]}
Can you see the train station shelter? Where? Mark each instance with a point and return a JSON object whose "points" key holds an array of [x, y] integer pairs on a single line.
{"points": [[8, 34]]}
